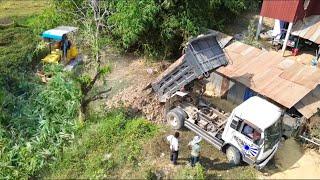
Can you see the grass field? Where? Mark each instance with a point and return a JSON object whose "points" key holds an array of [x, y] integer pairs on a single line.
{"points": [[21, 8]]}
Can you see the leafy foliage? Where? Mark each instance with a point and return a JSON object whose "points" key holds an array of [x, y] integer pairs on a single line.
{"points": [[197, 172], [107, 143], [159, 28], [40, 125], [249, 37]]}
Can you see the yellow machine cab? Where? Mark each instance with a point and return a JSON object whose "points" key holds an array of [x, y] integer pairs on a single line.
{"points": [[61, 47]]}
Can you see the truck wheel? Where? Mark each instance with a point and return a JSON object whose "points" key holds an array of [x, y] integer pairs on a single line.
{"points": [[233, 155], [175, 118]]}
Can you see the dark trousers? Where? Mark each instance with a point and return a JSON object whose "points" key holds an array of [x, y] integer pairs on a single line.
{"points": [[194, 160], [174, 157]]}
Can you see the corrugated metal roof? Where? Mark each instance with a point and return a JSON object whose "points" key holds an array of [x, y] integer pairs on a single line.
{"points": [[289, 10], [309, 28], [309, 105], [280, 9], [281, 79]]}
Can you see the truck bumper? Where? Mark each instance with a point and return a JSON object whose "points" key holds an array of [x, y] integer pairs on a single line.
{"points": [[263, 163]]}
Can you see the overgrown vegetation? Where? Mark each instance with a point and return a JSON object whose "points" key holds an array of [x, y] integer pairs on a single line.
{"points": [[36, 119], [39, 123], [106, 144], [159, 28], [250, 35], [197, 172]]}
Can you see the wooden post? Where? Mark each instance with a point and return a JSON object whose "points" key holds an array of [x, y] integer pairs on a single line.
{"points": [[259, 27], [284, 46]]}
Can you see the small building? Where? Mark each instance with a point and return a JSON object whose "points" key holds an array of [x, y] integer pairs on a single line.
{"points": [[302, 16]]}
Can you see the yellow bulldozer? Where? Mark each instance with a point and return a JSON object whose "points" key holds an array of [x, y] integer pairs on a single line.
{"points": [[60, 45]]}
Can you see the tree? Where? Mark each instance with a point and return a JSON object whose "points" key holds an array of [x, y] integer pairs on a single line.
{"points": [[92, 16]]}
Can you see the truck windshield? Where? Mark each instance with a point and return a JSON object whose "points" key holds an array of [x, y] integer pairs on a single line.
{"points": [[272, 135]]}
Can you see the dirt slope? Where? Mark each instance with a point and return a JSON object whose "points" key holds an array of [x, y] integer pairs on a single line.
{"points": [[128, 80], [293, 162]]}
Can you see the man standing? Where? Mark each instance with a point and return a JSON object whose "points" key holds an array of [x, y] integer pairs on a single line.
{"points": [[174, 147], [195, 150]]}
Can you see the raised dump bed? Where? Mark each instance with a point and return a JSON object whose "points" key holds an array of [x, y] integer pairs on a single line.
{"points": [[203, 55]]}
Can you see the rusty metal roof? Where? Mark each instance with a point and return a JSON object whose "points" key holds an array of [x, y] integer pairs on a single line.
{"points": [[308, 28], [279, 78], [309, 105], [280, 9], [289, 10]]}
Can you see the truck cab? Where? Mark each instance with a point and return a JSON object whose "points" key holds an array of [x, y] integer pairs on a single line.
{"points": [[252, 132]]}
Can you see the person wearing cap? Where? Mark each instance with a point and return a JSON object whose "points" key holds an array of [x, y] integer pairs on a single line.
{"points": [[174, 147], [195, 150]]}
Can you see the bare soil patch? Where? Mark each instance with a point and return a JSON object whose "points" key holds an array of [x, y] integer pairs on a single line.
{"points": [[128, 80], [293, 162]]}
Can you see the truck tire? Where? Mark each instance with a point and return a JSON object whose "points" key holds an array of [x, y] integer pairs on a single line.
{"points": [[233, 155], [175, 118]]}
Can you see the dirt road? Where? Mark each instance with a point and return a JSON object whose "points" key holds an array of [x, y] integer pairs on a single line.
{"points": [[292, 162]]}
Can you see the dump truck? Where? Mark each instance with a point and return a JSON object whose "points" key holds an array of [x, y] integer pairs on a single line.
{"points": [[250, 133]]}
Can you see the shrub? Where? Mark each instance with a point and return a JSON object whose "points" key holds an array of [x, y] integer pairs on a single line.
{"points": [[197, 172], [39, 126], [159, 28], [107, 143]]}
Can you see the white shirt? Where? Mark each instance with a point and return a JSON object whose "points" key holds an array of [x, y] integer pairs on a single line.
{"points": [[174, 143]]}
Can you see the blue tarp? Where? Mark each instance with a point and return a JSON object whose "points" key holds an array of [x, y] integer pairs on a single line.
{"points": [[58, 32]]}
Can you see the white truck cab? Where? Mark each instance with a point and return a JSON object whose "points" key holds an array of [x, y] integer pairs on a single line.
{"points": [[253, 130]]}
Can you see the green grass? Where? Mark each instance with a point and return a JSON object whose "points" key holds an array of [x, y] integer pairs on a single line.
{"points": [[17, 42], [104, 147], [21, 8]]}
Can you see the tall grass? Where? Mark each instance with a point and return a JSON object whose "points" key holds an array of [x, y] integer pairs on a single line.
{"points": [[39, 126], [105, 145]]}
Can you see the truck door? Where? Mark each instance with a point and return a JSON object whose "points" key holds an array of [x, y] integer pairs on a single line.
{"points": [[247, 139]]}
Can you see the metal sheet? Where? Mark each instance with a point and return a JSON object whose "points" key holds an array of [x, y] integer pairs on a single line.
{"points": [[289, 10], [270, 74], [308, 28], [280, 9], [309, 105]]}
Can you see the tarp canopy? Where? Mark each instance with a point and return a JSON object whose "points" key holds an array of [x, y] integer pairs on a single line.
{"points": [[58, 32]]}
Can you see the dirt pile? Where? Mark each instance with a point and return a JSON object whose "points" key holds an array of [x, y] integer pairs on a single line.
{"points": [[138, 100], [133, 95]]}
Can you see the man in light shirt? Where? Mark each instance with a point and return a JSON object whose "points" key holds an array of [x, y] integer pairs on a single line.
{"points": [[174, 147], [195, 150]]}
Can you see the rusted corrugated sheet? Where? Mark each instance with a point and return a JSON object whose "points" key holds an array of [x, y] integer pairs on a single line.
{"points": [[309, 28], [289, 10], [284, 10], [268, 73], [309, 105]]}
